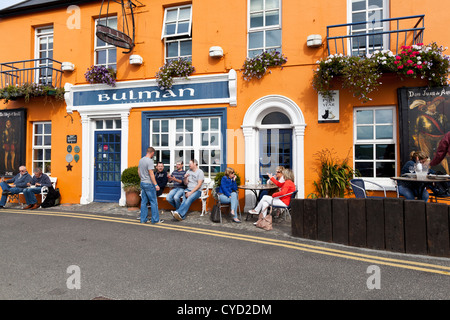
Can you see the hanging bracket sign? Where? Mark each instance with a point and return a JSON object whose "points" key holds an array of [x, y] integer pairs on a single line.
{"points": [[121, 39]]}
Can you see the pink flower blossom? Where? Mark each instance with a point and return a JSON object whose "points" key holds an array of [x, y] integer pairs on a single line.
{"points": [[410, 72], [398, 58], [400, 67]]}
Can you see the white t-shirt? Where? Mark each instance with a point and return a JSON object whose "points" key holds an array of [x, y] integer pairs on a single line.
{"points": [[194, 177]]}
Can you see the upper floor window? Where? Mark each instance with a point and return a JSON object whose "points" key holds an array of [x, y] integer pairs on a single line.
{"points": [[44, 55], [368, 14], [105, 53], [177, 32], [264, 26]]}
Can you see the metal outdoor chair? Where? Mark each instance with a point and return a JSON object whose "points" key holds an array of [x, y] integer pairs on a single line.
{"points": [[226, 205], [359, 188], [287, 210]]}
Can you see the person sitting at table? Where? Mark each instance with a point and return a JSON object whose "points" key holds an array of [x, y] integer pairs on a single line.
{"points": [[279, 177], [410, 190], [14, 185], [177, 176], [39, 180], [287, 187], [161, 178], [228, 192]]}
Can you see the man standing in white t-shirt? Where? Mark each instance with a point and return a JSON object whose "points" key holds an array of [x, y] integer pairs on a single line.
{"points": [[194, 180], [148, 187]]}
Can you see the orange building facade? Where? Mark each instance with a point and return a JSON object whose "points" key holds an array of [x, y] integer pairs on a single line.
{"points": [[215, 116]]}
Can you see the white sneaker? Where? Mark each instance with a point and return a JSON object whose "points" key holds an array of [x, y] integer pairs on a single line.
{"points": [[176, 215], [252, 211]]}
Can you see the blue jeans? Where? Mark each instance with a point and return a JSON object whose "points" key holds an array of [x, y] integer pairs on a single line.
{"points": [[6, 187], [174, 197], [29, 194], [233, 200], [186, 204], [410, 194], [148, 195]]}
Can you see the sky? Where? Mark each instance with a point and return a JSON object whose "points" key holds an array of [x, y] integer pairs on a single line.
{"points": [[7, 3]]}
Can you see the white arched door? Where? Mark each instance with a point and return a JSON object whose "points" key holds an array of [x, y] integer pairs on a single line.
{"points": [[274, 114]]}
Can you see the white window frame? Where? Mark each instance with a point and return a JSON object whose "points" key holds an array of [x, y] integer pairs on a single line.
{"points": [[106, 47], [196, 145], [384, 181], [43, 147], [38, 35], [384, 27], [177, 21], [264, 29], [166, 41]]}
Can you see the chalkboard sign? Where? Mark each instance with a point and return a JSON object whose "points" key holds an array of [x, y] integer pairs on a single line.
{"points": [[72, 138]]}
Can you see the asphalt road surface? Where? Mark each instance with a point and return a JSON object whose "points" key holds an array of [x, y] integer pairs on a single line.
{"points": [[47, 255]]}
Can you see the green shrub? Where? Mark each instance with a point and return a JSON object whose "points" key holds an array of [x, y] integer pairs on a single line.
{"points": [[130, 179]]}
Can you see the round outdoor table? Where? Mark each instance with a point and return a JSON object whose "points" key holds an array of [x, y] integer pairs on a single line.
{"points": [[256, 189], [422, 180]]}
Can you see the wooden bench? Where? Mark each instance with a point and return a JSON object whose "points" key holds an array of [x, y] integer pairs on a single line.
{"points": [[208, 184], [44, 192]]}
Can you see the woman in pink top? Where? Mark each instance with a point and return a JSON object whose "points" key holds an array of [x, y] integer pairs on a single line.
{"points": [[287, 187]]}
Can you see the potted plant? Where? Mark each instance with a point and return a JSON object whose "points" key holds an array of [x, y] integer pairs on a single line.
{"points": [[30, 90], [257, 66], [131, 185], [335, 175], [180, 67], [101, 74], [361, 74]]}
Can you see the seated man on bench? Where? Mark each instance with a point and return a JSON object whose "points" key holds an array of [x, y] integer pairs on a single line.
{"points": [[14, 185], [39, 180]]}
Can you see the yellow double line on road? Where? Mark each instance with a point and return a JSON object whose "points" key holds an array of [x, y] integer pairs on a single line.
{"points": [[405, 264]]}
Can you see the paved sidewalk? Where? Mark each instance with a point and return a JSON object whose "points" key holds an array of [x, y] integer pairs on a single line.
{"points": [[281, 226]]}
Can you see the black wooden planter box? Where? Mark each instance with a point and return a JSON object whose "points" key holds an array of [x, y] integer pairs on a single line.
{"points": [[392, 224]]}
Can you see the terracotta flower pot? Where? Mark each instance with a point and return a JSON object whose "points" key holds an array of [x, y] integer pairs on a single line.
{"points": [[133, 198]]}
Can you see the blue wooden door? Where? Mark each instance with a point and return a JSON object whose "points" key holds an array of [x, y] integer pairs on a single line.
{"points": [[275, 150], [107, 166]]}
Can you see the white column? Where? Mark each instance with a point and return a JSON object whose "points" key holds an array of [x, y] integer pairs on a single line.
{"points": [[124, 151], [298, 162], [87, 160], [251, 166]]}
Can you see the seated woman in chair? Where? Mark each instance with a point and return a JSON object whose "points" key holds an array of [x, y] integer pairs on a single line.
{"points": [[287, 187], [228, 192], [408, 189]]}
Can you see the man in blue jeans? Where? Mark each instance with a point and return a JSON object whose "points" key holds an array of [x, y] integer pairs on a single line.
{"points": [[38, 181], [14, 185], [148, 187], [194, 180], [177, 192]]}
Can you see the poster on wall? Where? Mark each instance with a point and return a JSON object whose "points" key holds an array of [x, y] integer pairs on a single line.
{"points": [[423, 113], [328, 109], [12, 143]]}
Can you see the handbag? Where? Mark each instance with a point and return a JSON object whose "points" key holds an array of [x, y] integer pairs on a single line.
{"points": [[264, 222], [215, 214]]}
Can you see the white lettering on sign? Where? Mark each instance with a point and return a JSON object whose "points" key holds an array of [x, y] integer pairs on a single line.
{"points": [[133, 95]]}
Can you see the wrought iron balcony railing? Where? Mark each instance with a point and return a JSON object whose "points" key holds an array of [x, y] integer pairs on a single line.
{"points": [[44, 71], [361, 38]]}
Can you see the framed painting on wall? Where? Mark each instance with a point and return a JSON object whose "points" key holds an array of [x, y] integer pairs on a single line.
{"points": [[12, 146], [423, 119]]}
